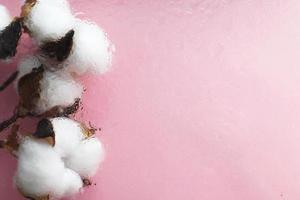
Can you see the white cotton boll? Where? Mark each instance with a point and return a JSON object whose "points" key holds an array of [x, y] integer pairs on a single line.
{"points": [[86, 158], [38, 167], [68, 135], [41, 171], [91, 49], [5, 18], [49, 20], [26, 65], [58, 89], [72, 183]]}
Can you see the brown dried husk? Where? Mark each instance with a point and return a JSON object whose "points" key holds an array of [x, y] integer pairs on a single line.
{"points": [[29, 90], [26, 8], [12, 143], [86, 131], [59, 49], [9, 39]]}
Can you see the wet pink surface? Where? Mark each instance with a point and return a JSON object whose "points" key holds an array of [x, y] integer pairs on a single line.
{"points": [[203, 101]]}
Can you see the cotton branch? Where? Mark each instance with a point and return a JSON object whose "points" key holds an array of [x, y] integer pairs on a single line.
{"points": [[8, 81]]}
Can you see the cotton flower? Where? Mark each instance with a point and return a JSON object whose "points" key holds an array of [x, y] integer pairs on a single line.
{"points": [[57, 167], [57, 89], [74, 142], [84, 44], [42, 172], [91, 49], [66, 134], [49, 20], [41, 90]]}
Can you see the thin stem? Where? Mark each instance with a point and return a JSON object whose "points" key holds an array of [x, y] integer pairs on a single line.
{"points": [[5, 124], [10, 79]]}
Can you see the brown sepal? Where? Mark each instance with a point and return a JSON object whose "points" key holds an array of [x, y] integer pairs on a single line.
{"points": [[9, 39], [29, 89], [45, 131], [26, 8], [87, 131], [11, 144], [86, 182], [60, 49]]}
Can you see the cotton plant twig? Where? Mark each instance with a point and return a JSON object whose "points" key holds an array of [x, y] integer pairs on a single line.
{"points": [[73, 150], [55, 112], [13, 142], [8, 81], [62, 155], [7, 123], [28, 94]]}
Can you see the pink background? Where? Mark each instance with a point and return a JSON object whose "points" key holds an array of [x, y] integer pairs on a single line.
{"points": [[202, 103]]}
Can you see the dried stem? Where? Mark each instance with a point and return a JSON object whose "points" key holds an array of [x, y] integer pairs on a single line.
{"points": [[54, 112], [7, 123], [8, 81]]}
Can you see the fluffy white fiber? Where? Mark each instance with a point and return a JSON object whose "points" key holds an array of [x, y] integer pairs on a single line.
{"points": [[5, 18], [91, 49], [81, 154], [58, 171], [26, 65], [86, 158], [42, 172], [49, 20], [58, 89], [68, 135]]}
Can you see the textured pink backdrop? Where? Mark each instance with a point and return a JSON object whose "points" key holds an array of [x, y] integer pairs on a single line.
{"points": [[203, 102]]}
